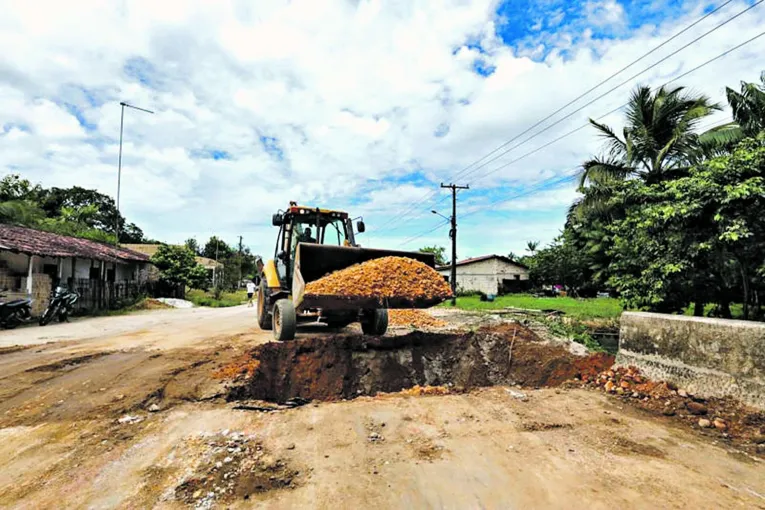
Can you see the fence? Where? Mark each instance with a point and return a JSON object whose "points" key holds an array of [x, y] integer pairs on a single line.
{"points": [[103, 295]]}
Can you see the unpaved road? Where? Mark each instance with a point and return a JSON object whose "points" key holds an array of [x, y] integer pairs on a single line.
{"points": [[76, 432]]}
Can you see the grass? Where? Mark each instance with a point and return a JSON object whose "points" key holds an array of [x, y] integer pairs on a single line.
{"points": [[202, 298], [590, 308]]}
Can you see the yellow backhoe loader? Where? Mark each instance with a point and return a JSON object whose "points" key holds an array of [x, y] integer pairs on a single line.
{"points": [[312, 243]]}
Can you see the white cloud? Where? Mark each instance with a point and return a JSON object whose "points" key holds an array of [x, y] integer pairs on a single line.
{"points": [[605, 13], [347, 95]]}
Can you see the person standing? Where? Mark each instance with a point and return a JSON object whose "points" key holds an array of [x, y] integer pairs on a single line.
{"points": [[250, 292]]}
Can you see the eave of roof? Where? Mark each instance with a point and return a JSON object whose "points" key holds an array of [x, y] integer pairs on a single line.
{"points": [[47, 244]]}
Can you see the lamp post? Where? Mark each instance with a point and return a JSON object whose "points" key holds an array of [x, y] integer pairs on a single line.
{"points": [[123, 104]]}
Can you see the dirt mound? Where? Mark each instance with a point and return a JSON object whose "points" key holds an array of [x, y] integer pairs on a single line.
{"points": [[726, 418], [386, 277], [232, 466], [346, 366], [413, 318]]}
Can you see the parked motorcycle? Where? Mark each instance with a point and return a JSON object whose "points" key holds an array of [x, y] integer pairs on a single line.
{"points": [[15, 312], [61, 304]]}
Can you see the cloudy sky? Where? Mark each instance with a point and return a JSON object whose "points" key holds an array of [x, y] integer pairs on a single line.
{"points": [[365, 105]]}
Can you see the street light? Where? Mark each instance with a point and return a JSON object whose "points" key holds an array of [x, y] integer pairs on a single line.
{"points": [[123, 104], [444, 217]]}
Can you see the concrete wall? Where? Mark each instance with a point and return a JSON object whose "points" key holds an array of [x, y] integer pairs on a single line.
{"points": [[707, 357], [486, 275]]}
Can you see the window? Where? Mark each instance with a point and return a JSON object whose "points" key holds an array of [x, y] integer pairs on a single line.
{"points": [[517, 277], [95, 273]]}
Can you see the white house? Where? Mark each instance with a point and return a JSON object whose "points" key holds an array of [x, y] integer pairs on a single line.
{"points": [[490, 274], [32, 260]]}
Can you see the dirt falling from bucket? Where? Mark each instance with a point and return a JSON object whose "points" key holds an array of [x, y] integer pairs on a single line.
{"points": [[347, 366]]}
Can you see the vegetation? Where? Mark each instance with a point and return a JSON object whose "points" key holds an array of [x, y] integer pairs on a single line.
{"points": [[223, 300], [438, 251], [74, 211], [178, 266], [670, 217], [596, 308], [238, 263]]}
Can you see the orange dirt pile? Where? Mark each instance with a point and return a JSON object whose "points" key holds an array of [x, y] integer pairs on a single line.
{"points": [[414, 318], [386, 277], [244, 366], [417, 390], [725, 418]]}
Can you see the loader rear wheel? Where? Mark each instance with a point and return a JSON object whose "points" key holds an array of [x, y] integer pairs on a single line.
{"points": [[284, 320], [264, 316], [374, 322]]}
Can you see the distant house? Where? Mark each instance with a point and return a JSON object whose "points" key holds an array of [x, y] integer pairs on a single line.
{"points": [[31, 261], [213, 267], [490, 274]]}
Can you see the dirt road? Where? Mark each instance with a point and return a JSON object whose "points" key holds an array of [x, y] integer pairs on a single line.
{"points": [[130, 412]]}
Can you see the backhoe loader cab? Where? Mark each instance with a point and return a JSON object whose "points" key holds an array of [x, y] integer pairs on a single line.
{"points": [[313, 242]]}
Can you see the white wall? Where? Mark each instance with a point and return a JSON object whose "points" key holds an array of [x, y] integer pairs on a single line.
{"points": [[18, 263], [486, 275]]}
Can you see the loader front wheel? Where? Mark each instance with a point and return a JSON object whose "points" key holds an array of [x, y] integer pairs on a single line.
{"points": [[284, 320], [264, 316], [374, 322]]}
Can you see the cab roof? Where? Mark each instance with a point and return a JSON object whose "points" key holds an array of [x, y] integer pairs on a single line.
{"points": [[305, 209]]}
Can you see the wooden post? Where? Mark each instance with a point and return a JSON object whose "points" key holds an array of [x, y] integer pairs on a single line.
{"points": [[74, 265]]}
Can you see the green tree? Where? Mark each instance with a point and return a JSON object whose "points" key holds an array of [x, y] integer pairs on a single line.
{"points": [[192, 245], [658, 142], [55, 201], [20, 212], [13, 187], [177, 265], [438, 251], [699, 237], [216, 249], [748, 109], [531, 246]]}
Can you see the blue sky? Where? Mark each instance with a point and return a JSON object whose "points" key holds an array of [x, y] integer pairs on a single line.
{"points": [[367, 106]]}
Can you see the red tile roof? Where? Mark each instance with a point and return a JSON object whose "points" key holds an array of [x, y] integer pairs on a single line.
{"points": [[36, 242], [484, 257]]}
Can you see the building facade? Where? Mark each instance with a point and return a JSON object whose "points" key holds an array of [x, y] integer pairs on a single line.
{"points": [[33, 261], [490, 274]]}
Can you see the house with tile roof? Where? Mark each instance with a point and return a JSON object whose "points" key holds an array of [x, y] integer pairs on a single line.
{"points": [[32, 261], [490, 274]]}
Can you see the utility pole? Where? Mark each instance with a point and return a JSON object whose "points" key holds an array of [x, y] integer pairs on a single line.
{"points": [[123, 104], [453, 236], [239, 281]]}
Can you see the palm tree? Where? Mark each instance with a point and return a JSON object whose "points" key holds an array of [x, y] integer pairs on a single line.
{"points": [[748, 109], [531, 246], [658, 142]]}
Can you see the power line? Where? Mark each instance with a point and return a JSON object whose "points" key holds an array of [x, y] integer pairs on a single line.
{"points": [[428, 195], [705, 63], [660, 61], [504, 165], [414, 238], [553, 180], [601, 83]]}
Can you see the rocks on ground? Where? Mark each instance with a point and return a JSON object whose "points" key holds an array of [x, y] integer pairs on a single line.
{"points": [[732, 421]]}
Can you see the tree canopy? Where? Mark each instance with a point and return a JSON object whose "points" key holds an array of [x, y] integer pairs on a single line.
{"points": [[74, 211]]}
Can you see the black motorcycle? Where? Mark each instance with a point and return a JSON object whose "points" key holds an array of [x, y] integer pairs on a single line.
{"points": [[15, 312], [61, 304]]}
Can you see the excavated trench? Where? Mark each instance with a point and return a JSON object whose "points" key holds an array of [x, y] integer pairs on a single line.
{"points": [[347, 366]]}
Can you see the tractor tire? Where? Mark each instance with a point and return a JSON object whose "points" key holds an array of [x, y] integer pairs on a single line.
{"points": [[284, 320], [265, 319], [374, 322]]}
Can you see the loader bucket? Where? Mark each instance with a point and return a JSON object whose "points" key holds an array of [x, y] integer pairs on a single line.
{"points": [[313, 261]]}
